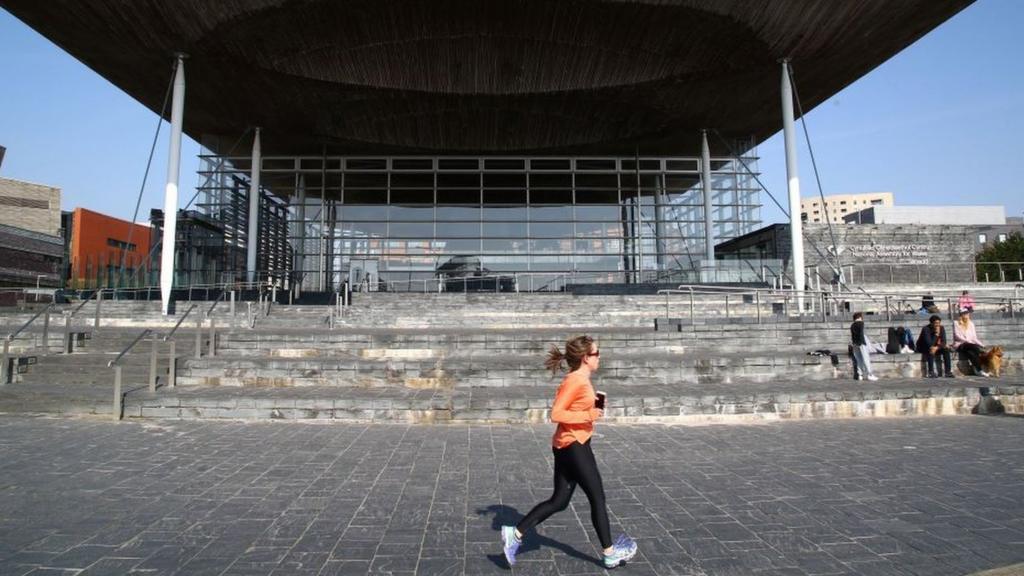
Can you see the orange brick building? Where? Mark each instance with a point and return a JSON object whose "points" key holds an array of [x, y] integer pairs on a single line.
{"points": [[98, 243]]}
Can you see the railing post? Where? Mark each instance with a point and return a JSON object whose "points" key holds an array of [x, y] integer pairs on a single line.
{"points": [[666, 307], [67, 333], [117, 392], [1002, 273], [199, 337], [691, 304], [232, 302], [172, 365], [726, 306], [821, 295], [5, 363], [757, 304], [152, 362], [891, 280], [945, 273], [46, 332], [888, 310], [99, 304], [213, 338]]}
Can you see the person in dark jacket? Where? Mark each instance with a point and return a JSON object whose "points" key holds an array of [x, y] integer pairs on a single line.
{"points": [[932, 343], [861, 350]]}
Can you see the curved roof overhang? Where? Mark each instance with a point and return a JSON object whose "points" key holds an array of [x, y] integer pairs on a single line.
{"points": [[470, 77]]}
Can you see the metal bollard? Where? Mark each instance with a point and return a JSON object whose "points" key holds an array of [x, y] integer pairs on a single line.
{"points": [[46, 333], [117, 392], [172, 365], [5, 366], [199, 337], [726, 306], [99, 304], [152, 362], [213, 338], [232, 302], [757, 303], [691, 304], [67, 333], [888, 310]]}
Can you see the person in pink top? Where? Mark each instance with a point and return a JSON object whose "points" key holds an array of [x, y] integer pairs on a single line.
{"points": [[965, 302], [966, 342], [575, 411]]}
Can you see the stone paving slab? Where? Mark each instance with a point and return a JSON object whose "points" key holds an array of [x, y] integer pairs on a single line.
{"points": [[910, 496]]}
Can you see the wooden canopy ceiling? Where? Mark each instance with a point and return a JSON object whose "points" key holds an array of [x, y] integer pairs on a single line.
{"points": [[483, 76]]}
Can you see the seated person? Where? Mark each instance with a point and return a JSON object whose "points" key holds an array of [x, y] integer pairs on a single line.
{"points": [[928, 304], [966, 342], [965, 302], [932, 343]]}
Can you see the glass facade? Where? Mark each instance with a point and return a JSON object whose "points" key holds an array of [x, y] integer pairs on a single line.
{"points": [[415, 222]]}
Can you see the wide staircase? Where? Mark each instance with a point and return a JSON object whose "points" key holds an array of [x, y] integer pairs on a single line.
{"points": [[479, 357]]}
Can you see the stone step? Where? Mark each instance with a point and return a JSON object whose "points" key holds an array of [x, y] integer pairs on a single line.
{"points": [[654, 403], [519, 371]]}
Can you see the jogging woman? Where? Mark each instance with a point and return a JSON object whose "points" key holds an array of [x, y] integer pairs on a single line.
{"points": [[575, 413]]}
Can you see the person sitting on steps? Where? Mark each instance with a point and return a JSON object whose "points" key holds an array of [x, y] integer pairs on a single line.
{"points": [[932, 343], [966, 342]]}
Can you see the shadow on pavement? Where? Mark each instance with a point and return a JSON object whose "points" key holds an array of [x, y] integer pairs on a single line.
{"points": [[507, 515]]}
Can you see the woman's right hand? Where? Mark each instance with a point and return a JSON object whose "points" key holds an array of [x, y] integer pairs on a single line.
{"points": [[596, 413]]}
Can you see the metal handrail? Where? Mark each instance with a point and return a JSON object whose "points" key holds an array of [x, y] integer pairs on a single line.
{"points": [[209, 310], [12, 335], [86, 301], [180, 320], [138, 338]]}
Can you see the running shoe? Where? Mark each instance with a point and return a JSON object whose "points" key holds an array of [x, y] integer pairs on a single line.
{"points": [[872, 377], [623, 551], [510, 543]]}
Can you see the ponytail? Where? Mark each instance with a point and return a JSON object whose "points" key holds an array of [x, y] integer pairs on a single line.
{"points": [[576, 349], [554, 360]]}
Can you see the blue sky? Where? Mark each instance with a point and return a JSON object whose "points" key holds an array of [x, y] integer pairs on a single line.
{"points": [[941, 123]]}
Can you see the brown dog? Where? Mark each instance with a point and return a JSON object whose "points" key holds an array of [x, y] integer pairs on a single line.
{"points": [[992, 360]]}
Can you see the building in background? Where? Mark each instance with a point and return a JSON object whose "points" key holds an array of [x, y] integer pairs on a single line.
{"points": [[209, 251], [866, 254], [31, 247], [29, 259], [99, 245], [838, 206], [29, 206], [989, 223]]}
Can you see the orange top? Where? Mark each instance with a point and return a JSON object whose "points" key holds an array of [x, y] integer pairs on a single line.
{"points": [[574, 411]]}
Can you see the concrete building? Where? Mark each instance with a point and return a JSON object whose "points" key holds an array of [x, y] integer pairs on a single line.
{"points": [[838, 206], [869, 253], [29, 206], [936, 215]]}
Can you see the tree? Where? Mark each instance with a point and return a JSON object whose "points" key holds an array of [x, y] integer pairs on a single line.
{"points": [[1010, 252]]}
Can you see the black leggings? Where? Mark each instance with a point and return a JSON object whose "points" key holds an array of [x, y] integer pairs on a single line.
{"points": [[973, 354], [574, 464]]}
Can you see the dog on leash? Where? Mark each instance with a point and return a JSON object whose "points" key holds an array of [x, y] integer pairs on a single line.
{"points": [[992, 360]]}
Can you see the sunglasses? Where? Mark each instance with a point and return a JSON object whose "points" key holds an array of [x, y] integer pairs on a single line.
{"points": [[598, 354]]}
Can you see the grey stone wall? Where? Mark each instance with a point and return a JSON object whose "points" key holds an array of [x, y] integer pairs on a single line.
{"points": [[30, 206], [877, 253]]}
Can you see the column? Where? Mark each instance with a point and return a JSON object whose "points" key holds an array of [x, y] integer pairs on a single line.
{"points": [[708, 265], [252, 234], [171, 190], [793, 176], [299, 233]]}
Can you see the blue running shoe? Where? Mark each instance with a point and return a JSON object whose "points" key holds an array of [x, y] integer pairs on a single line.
{"points": [[510, 543], [623, 551]]}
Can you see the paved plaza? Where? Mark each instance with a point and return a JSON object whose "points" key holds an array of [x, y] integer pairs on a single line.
{"points": [[926, 496]]}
